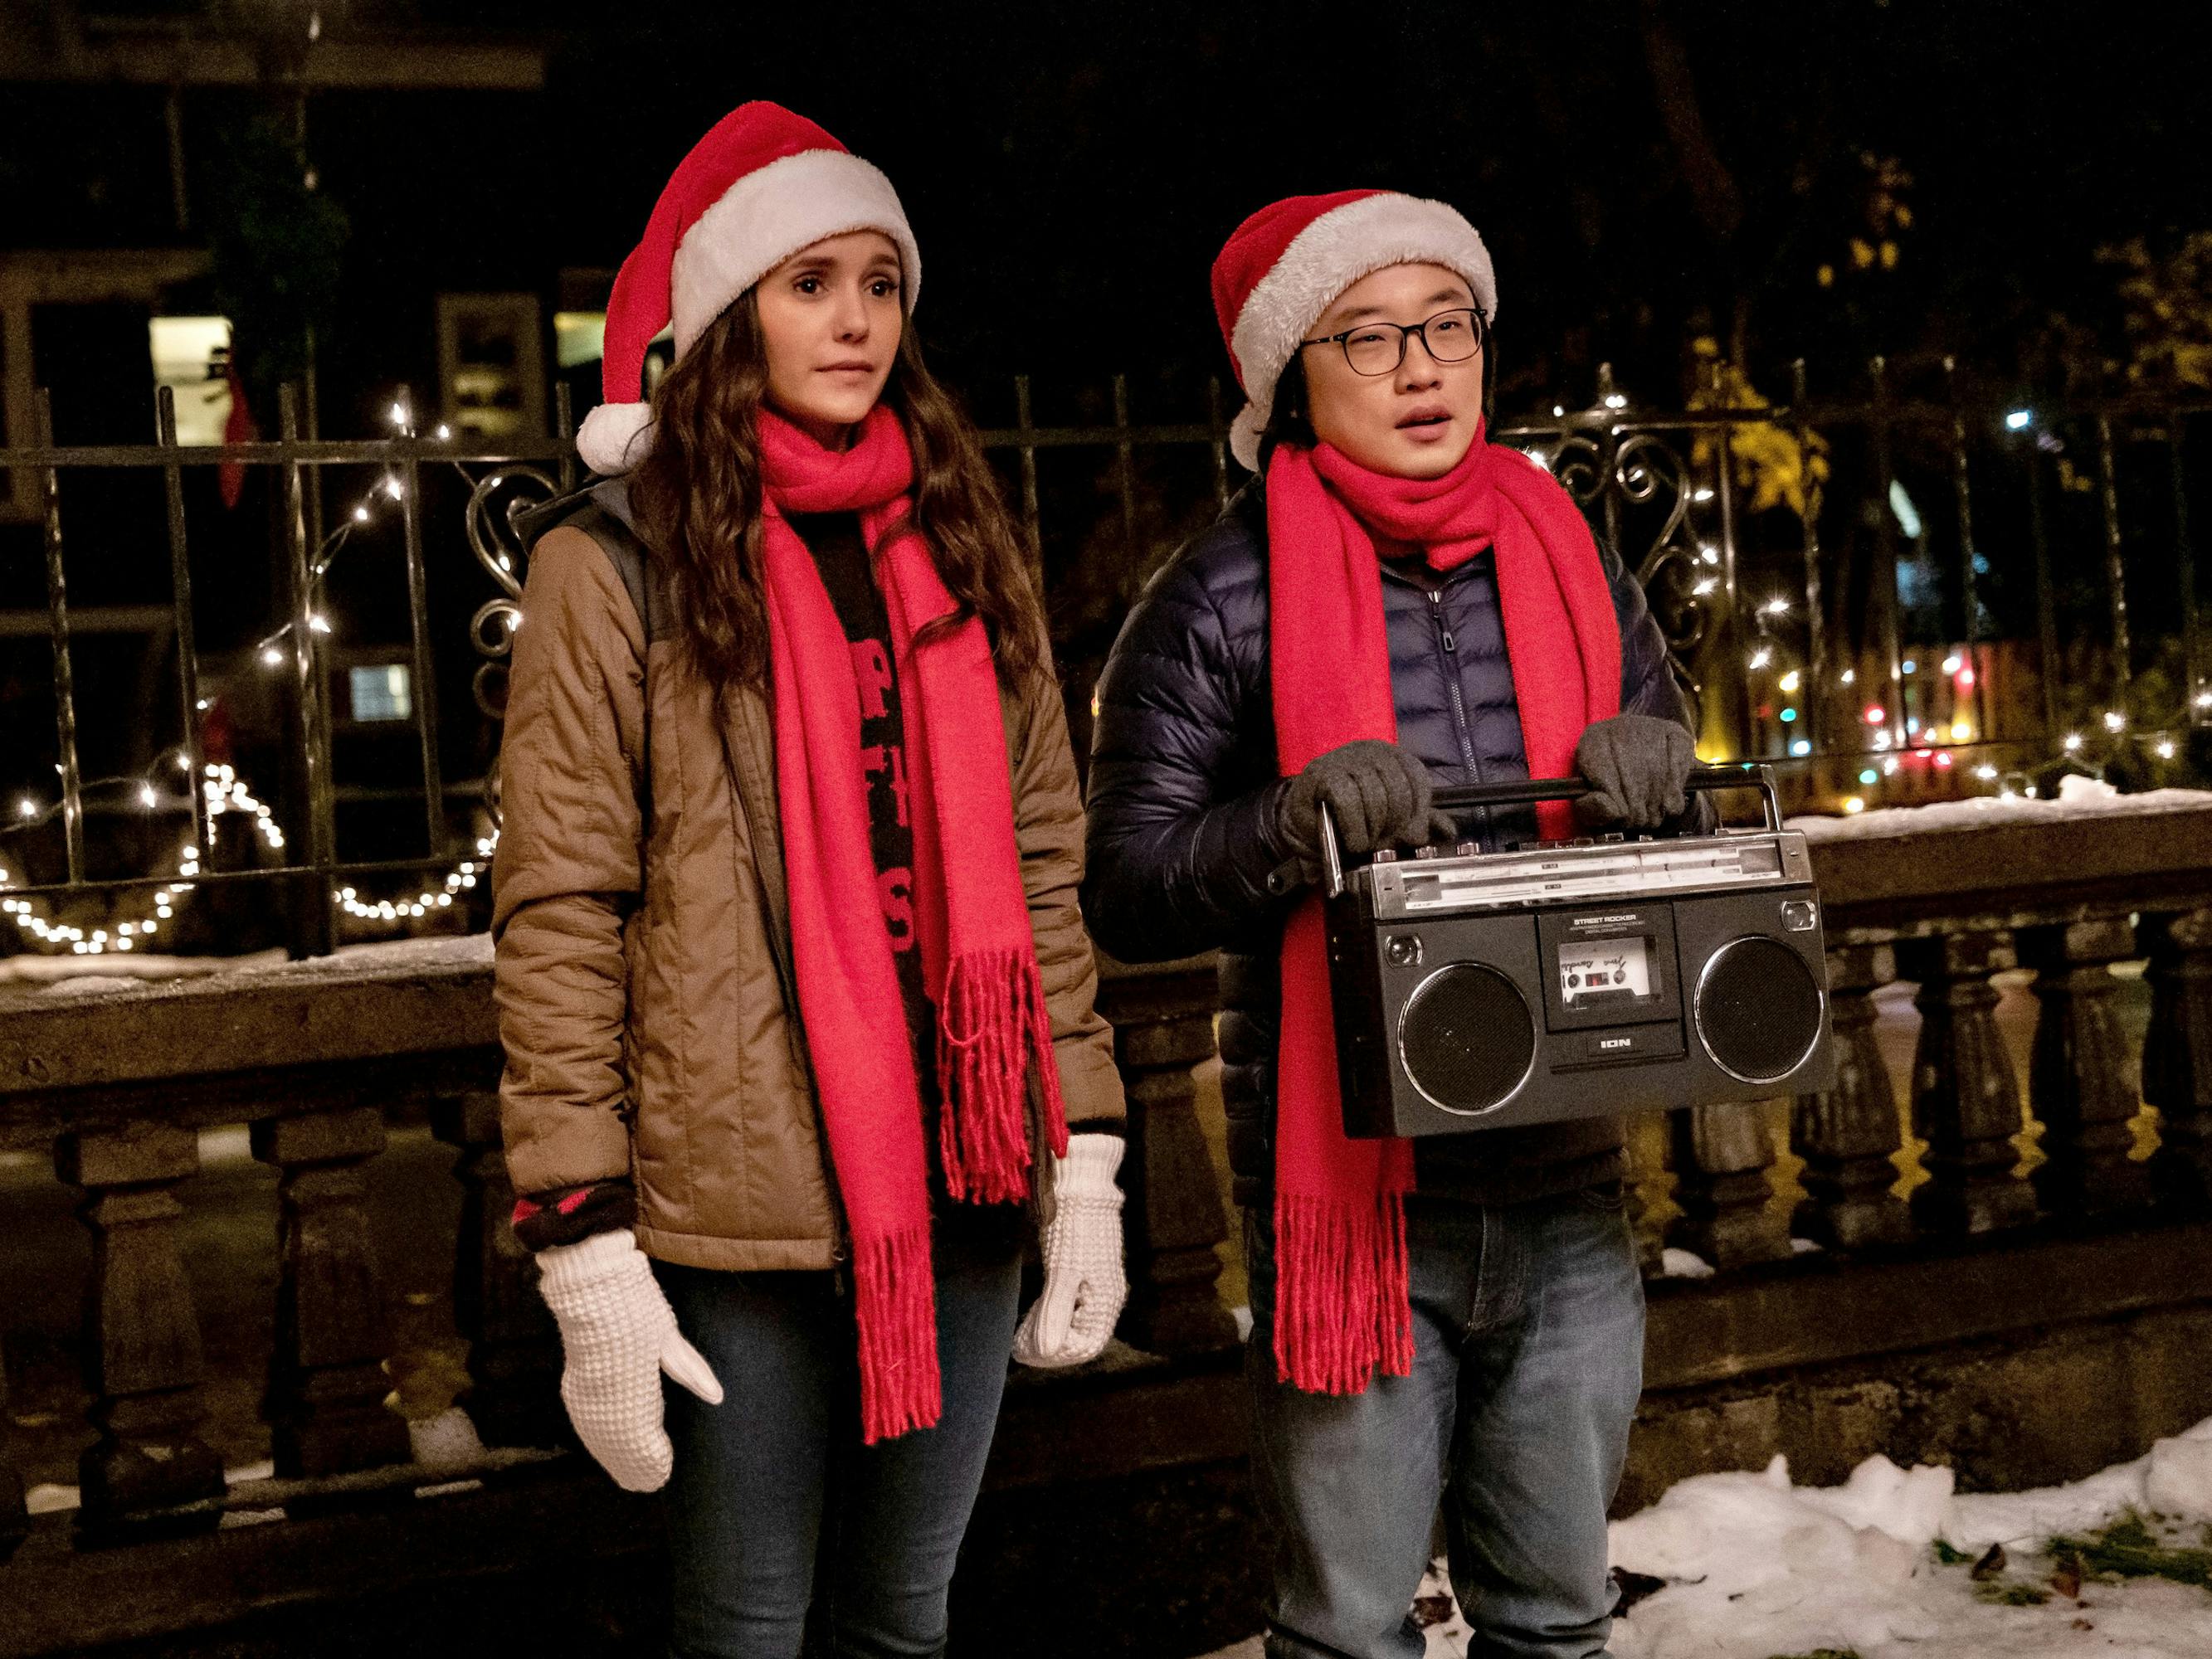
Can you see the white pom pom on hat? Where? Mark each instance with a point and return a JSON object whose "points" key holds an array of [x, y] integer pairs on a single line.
{"points": [[760, 186], [1285, 264]]}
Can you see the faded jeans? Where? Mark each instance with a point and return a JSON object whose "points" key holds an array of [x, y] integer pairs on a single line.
{"points": [[787, 1534], [1529, 1358]]}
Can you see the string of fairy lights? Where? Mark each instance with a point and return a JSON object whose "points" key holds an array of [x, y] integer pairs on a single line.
{"points": [[1778, 686], [227, 795], [1896, 738]]}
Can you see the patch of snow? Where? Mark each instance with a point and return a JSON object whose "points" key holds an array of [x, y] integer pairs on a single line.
{"points": [[1757, 1566], [1983, 811], [1683, 1264], [445, 1441], [77, 973]]}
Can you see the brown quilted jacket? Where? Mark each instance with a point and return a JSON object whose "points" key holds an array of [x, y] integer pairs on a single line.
{"points": [[644, 989]]}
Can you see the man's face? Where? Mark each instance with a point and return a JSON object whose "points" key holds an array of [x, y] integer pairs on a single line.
{"points": [[1417, 420]]}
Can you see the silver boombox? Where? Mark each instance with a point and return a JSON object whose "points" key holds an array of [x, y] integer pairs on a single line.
{"points": [[1574, 979]]}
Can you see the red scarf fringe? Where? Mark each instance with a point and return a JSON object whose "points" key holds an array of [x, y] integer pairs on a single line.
{"points": [[1344, 1296], [895, 1297], [992, 1028]]}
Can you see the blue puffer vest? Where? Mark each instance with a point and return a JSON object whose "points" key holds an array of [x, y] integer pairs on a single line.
{"points": [[1183, 795]]}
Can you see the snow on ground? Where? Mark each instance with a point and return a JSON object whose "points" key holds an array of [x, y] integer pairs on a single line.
{"points": [[2077, 798], [1755, 1566], [1885, 1567]]}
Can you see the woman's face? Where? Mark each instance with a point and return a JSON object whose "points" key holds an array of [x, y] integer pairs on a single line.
{"points": [[1417, 421], [831, 316]]}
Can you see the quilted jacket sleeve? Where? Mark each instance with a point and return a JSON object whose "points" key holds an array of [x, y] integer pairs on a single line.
{"points": [[1183, 836], [1049, 833], [568, 868]]}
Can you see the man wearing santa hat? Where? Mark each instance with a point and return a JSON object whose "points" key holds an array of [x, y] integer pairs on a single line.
{"points": [[1395, 605]]}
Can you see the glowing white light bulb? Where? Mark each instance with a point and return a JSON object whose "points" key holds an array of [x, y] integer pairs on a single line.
{"points": [[2071, 742], [271, 655]]}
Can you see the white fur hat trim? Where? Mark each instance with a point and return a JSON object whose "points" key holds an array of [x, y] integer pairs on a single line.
{"points": [[771, 213]]}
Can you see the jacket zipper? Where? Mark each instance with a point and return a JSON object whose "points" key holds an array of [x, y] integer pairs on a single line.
{"points": [[1448, 643]]}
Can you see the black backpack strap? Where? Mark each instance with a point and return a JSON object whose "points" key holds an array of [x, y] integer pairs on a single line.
{"points": [[605, 522]]}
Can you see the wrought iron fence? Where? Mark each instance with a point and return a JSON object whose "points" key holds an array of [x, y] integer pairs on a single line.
{"points": [[1798, 579]]}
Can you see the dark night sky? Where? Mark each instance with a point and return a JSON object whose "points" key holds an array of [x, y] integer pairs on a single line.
{"points": [[1070, 170]]}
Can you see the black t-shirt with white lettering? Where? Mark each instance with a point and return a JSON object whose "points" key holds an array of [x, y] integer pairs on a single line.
{"points": [[841, 555]]}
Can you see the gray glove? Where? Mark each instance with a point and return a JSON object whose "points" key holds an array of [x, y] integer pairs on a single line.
{"points": [[1636, 765], [1378, 793]]}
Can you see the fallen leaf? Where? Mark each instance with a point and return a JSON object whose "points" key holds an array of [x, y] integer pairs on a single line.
{"points": [[1992, 1564], [1634, 1588], [2066, 1576]]}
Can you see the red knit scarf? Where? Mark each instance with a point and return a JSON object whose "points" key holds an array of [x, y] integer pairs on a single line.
{"points": [[971, 915], [1342, 1306]]}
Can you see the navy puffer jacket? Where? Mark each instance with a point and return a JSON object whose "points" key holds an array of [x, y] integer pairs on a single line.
{"points": [[1183, 792]]}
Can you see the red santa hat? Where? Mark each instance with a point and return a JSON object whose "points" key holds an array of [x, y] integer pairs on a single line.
{"points": [[760, 186], [1287, 262]]}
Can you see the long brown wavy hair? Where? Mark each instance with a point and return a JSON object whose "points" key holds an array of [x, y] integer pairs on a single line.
{"points": [[697, 496]]}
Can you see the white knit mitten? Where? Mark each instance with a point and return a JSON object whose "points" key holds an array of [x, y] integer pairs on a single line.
{"points": [[618, 1334], [1084, 1285]]}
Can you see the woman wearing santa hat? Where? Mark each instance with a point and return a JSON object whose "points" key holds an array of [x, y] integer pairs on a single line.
{"points": [[794, 990], [1396, 604]]}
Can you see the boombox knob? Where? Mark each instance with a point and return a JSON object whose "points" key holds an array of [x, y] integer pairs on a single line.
{"points": [[1386, 855], [1427, 852], [1467, 849]]}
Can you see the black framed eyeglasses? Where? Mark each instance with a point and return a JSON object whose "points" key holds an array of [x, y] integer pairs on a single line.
{"points": [[1449, 337]]}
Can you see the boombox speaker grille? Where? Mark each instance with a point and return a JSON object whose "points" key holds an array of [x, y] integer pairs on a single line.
{"points": [[1759, 1009], [1467, 1038]]}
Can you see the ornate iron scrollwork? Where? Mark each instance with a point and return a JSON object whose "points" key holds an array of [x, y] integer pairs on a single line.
{"points": [[500, 497], [1622, 481]]}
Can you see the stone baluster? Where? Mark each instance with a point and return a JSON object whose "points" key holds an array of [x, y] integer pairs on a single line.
{"points": [[1721, 1156], [14, 1518], [515, 1353], [1848, 1134], [142, 1348], [1966, 1100], [1163, 1027], [326, 1382], [2177, 1062], [1639, 1207], [2082, 1081]]}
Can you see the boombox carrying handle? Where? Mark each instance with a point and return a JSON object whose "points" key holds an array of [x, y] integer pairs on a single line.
{"points": [[1526, 792]]}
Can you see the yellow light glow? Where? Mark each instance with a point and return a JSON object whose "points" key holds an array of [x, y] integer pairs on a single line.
{"points": [[1854, 803]]}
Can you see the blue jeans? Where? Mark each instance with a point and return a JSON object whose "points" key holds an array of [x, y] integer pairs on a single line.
{"points": [[1528, 1360], [786, 1533]]}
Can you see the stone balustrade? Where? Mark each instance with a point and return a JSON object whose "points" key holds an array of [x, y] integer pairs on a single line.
{"points": [[317, 1057]]}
